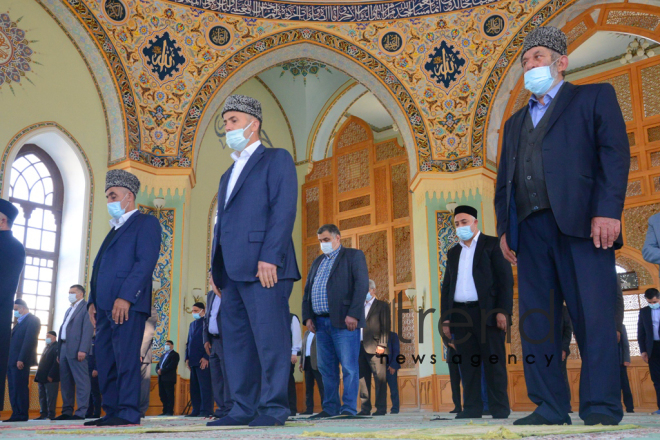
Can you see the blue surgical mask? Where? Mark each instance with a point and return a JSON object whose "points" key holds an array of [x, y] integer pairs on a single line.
{"points": [[17, 314], [166, 348], [368, 298], [655, 306], [539, 80], [196, 316], [464, 232], [326, 247], [49, 341], [115, 210], [236, 138]]}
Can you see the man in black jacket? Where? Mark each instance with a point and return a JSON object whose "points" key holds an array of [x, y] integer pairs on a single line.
{"points": [[477, 301], [333, 308], [95, 399], [166, 370], [48, 378], [374, 336], [454, 373]]}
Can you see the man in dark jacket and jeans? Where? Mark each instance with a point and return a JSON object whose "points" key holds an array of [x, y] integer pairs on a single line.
{"points": [[48, 378]]}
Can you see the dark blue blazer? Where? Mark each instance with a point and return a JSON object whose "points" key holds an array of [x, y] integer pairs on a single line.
{"points": [[645, 331], [24, 338], [394, 351], [128, 265], [347, 287], [257, 223], [195, 345], [586, 157]]}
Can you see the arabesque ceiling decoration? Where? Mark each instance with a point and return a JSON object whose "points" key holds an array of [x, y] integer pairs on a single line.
{"points": [[15, 52], [170, 58]]}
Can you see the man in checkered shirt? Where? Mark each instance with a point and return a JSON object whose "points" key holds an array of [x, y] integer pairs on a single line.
{"points": [[333, 308]]}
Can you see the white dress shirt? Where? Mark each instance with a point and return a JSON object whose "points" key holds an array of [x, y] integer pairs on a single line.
{"points": [[308, 346], [117, 223], [68, 318], [239, 164], [213, 311], [367, 307], [465, 288], [655, 314], [296, 336]]}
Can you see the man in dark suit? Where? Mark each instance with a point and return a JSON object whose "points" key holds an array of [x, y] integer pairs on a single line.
{"points": [[213, 348], [120, 298], [374, 341], [254, 266], [22, 356], [95, 399], [624, 359], [48, 378], [559, 208], [566, 337], [309, 365], [333, 308], [74, 344], [197, 361], [648, 337], [477, 300], [12, 259], [166, 371], [454, 373], [393, 368]]}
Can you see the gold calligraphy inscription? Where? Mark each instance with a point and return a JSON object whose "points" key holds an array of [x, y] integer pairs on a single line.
{"points": [[392, 42], [494, 26]]}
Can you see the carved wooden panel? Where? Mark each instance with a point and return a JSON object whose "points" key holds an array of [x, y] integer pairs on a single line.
{"points": [[353, 134], [402, 255], [355, 222], [621, 85], [400, 194], [638, 19], [311, 252], [636, 222], [320, 169], [347, 242], [575, 33], [354, 203], [631, 138], [653, 133], [328, 202], [651, 90], [353, 171], [408, 331], [389, 150], [382, 211], [634, 188], [408, 391], [312, 210], [374, 246]]}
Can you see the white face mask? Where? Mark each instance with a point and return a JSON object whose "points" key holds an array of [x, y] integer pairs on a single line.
{"points": [[49, 341], [73, 298], [326, 247], [236, 139]]}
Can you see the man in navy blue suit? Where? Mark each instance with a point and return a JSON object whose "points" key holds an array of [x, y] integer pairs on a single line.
{"points": [[120, 298], [197, 361], [559, 197], [22, 356], [254, 266]]}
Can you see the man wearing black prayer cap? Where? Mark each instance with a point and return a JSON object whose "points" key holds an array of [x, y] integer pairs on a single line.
{"points": [[476, 306], [12, 259]]}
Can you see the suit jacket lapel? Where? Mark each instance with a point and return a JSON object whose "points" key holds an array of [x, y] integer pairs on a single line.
{"points": [[123, 229], [256, 157], [373, 306], [481, 242], [566, 94], [516, 129], [222, 193], [336, 262]]}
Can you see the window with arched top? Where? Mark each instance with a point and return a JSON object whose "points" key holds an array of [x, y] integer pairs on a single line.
{"points": [[36, 189]]}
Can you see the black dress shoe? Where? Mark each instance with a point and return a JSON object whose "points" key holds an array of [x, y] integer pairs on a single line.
{"points": [[394, 412], [346, 413], [379, 413], [116, 421], [96, 422], [265, 420], [455, 411], [630, 410], [307, 413], [600, 419], [500, 416], [41, 418], [76, 418], [363, 413], [536, 419], [466, 415], [225, 421], [17, 419], [321, 415], [187, 415], [63, 417]]}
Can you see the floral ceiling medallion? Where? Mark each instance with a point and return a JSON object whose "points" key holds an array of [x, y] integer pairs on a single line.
{"points": [[303, 67], [15, 53]]}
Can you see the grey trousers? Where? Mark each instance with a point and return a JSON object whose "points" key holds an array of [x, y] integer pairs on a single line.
{"points": [[145, 387], [221, 394], [76, 386], [48, 398]]}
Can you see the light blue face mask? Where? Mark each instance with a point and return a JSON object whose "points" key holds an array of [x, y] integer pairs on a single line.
{"points": [[166, 348], [368, 298], [539, 80], [115, 210], [17, 314], [196, 316], [326, 247], [236, 138], [464, 232], [655, 306]]}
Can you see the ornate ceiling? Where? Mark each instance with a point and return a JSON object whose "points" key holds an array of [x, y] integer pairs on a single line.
{"points": [[439, 63]]}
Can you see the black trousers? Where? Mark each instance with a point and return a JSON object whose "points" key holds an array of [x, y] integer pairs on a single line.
{"points": [[393, 385], [311, 375], [625, 389], [95, 399], [293, 398], [474, 349], [564, 371], [166, 393], [654, 369], [454, 378], [371, 364]]}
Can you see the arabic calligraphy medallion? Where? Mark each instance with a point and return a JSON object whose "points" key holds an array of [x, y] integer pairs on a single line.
{"points": [[115, 11], [445, 65], [219, 37], [391, 42], [494, 26], [164, 57], [15, 52]]}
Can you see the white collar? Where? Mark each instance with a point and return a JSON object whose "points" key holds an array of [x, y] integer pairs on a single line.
{"points": [[245, 154], [370, 302], [474, 240], [121, 220]]}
